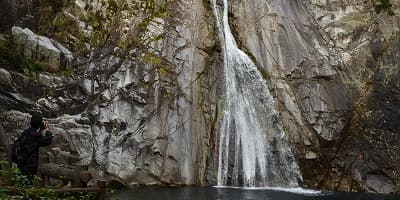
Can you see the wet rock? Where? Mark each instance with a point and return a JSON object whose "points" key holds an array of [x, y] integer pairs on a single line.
{"points": [[327, 79]]}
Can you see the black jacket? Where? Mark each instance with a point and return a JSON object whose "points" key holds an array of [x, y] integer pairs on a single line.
{"points": [[33, 141]]}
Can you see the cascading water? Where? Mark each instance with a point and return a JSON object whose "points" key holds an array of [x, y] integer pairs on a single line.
{"points": [[252, 147]]}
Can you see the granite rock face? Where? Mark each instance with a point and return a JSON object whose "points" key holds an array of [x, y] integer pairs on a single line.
{"points": [[129, 117], [144, 111], [331, 65]]}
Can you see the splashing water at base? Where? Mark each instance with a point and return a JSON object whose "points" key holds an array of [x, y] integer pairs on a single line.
{"points": [[252, 147]]}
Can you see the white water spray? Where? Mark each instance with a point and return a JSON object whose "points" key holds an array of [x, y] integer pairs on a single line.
{"points": [[252, 147]]}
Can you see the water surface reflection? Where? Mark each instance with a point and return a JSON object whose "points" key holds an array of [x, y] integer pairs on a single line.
{"points": [[218, 193]]}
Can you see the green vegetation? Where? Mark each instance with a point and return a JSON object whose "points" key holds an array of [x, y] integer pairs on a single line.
{"points": [[60, 25], [264, 73], [10, 55], [48, 10], [22, 190], [384, 6], [107, 25], [55, 5], [206, 4], [151, 59], [66, 72], [14, 185]]}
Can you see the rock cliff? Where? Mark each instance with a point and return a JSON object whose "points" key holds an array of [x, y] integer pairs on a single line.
{"points": [[138, 96]]}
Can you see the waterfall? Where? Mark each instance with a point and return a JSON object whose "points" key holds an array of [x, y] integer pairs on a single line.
{"points": [[252, 147]]}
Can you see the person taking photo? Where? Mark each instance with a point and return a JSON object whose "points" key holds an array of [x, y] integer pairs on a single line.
{"points": [[36, 136]]}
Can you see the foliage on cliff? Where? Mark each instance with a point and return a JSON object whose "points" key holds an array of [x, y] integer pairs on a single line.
{"points": [[384, 6], [99, 23]]}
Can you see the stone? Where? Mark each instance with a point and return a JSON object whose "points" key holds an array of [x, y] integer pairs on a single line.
{"points": [[5, 79], [379, 183], [306, 142], [61, 100], [66, 55], [44, 102], [14, 122], [180, 42], [311, 155], [49, 54], [357, 175], [81, 4], [45, 80]]}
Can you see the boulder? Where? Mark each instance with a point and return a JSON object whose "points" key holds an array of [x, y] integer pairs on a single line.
{"points": [[51, 55], [14, 122], [311, 155], [379, 183], [5, 78]]}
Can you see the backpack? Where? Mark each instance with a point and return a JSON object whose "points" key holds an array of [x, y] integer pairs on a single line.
{"points": [[19, 152]]}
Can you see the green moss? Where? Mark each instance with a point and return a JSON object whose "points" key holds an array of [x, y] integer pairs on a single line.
{"points": [[32, 66], [55, 5], [146, 86], [151, 59], [112, 5], [206, 4], [13, 177], [48, 11], [248, 52], [264, 73], [162, 71], [95, 20], [66, 72]]}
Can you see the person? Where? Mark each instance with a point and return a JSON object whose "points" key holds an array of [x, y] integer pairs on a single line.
{"points": [[34, 139]]}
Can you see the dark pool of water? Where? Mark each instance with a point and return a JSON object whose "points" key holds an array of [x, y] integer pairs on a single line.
{"points": [[212, 193]]}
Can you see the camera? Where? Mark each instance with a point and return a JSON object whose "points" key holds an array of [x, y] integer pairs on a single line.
{"points": [[43, 126]]}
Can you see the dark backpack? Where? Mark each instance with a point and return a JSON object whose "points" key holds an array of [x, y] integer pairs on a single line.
{"points": [[19, 152]]}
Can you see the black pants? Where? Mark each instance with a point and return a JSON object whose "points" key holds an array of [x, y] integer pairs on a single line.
{"points": [[29, 173]]}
